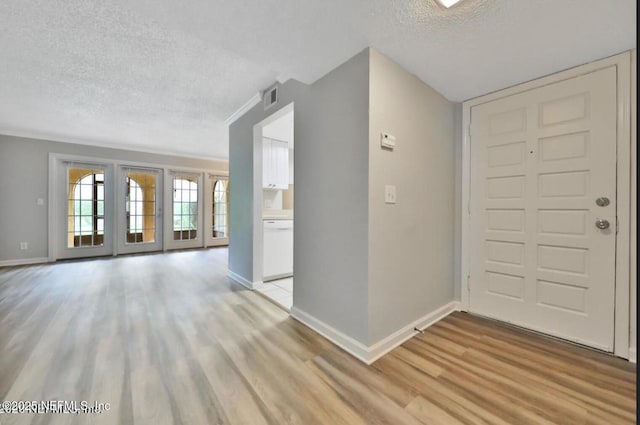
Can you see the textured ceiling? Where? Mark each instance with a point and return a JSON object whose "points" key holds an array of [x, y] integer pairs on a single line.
{"points": [[165, 74]]}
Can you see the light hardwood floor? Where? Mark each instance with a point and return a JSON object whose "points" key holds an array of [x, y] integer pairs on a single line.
{"points": [[169, 339]]}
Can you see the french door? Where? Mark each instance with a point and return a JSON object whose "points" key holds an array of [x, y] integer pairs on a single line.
{"points": [[84, 211], [103, 208], [184, 201], [139, 207], [217, 210]]}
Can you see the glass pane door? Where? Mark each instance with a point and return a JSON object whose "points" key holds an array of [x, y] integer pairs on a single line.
{"points": [[220, 228], [85, 213], [217, 210], [83, 210], [140, 213], [185, 202], [185, 207]]}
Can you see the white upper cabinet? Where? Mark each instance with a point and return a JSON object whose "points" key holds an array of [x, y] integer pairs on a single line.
{"points": [[275, 164]]}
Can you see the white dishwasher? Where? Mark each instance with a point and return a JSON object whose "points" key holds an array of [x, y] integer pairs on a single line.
{"points": [[278, 249]]}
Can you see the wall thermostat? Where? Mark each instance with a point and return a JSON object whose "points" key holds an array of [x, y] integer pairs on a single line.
{"points": [[387, 141]]}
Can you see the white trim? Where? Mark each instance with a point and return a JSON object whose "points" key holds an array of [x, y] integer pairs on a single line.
{"points": [[52, 204], [350, 345], [623, 208], [397, 338], [255, 99], [632, 354], [242, 281], [23, 262], [633, 276], [258, 285], [104, 144], [369, 354], [622, 62]]}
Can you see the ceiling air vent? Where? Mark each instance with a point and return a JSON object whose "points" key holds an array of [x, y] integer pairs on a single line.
{"points": [[270, 97]]}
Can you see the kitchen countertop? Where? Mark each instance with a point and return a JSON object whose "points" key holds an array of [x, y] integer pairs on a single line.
{"points": [[277, 214]]}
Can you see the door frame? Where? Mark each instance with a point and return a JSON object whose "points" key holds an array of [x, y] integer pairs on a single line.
{"points": [[258, 231], [56, 165], [624, 192]]}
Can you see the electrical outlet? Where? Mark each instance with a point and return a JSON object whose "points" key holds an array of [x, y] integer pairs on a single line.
{"points": [[24, 245], [389, 194]]}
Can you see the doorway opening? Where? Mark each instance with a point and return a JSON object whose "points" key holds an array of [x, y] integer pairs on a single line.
{"points": [[274, 223]]}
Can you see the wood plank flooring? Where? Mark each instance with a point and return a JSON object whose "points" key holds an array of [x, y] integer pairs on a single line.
{"points": [[169, 339]]}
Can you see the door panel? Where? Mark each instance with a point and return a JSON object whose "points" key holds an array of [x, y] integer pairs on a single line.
{"points": [[84, 212], [139, 210], [217, 210], [184, 200], [539, 161]]}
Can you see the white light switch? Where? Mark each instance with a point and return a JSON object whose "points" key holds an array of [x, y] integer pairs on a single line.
{"points": [[389, 194], [387, 141], [40, 201]]}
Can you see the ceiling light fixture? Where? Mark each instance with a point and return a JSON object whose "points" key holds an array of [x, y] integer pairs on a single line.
{"points": [[447, 3]]}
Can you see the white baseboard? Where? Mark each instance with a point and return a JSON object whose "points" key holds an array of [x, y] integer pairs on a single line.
{"points": [[396, 339], [372, 353], [632, 354], [242, 281], [350, 345], [23, 262]]}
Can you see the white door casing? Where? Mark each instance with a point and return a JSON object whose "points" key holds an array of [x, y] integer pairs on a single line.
{"points": [[539, 160]]}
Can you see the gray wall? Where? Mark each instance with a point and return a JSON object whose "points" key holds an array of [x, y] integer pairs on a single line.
{"points": [[330, 204], [411, 247], [362, 267], [24, 175]]}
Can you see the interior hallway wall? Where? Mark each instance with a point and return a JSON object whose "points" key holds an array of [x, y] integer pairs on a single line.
{"points": [[411, 242]]}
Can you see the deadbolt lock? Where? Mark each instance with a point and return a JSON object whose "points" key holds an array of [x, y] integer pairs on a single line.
{"points": [[602, 202]]}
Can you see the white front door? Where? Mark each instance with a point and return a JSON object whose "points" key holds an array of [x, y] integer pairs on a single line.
{"points": [[543, 209]]}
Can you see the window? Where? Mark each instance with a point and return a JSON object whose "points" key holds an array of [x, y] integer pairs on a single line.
{"points": [[220, 208], [185, 207], [86, 208]]}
